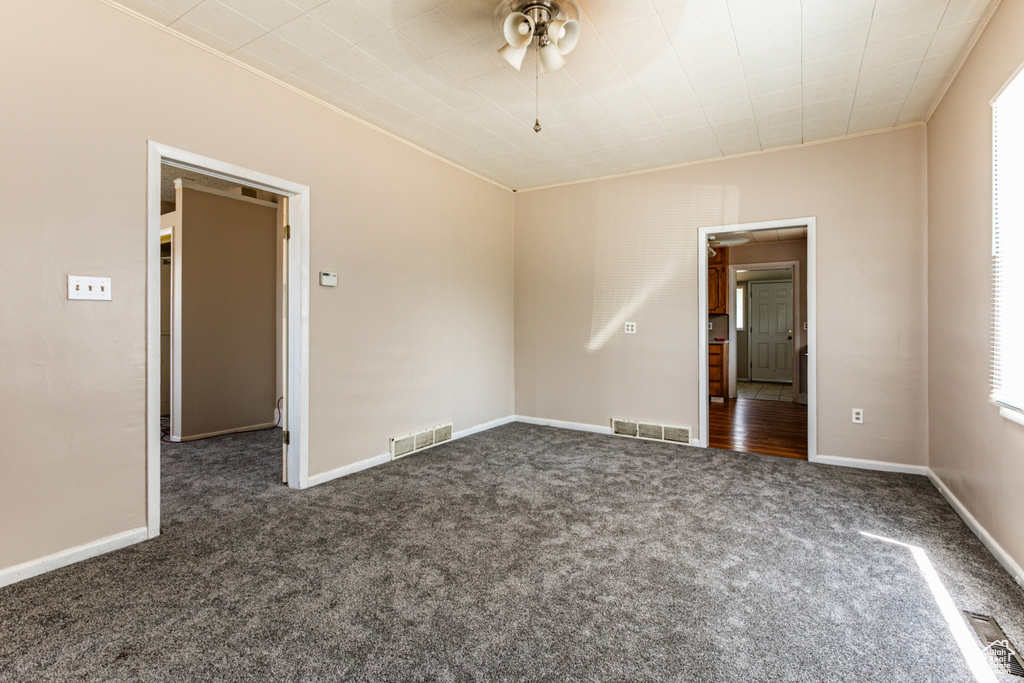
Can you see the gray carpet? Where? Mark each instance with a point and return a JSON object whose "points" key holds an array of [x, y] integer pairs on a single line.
{"points": [[522, 554]]}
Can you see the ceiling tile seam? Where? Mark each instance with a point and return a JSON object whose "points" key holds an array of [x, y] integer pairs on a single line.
{"points": [[624, 70], [923, 59], [694, 90], [803, 100], [743, 70], [860, 70], [968, 49], [314, 59], [851, 136], [236, 62]]}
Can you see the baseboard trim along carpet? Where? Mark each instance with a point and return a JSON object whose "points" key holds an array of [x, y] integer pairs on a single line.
{"points": [[877, 465], [484, 427], [974, 525], [386, 457], [344, 470], [577, 426], [27, 570]]}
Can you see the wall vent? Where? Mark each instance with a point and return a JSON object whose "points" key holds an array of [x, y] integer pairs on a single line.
{"points": [[1000, 650], [401, 446], [652, 431]]}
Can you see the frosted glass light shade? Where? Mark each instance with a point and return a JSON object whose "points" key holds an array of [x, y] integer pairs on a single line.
{"points": [[518, 29], [564, 34], [550, 59], [514, 55]]}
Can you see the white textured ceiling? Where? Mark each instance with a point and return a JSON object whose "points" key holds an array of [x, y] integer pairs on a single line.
{"points": [[652, 82]]}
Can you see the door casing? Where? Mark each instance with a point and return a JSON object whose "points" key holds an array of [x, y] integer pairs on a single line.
{"points": [[810, 338], [296, 414]]}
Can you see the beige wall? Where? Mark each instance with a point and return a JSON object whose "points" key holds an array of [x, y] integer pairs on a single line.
{"points": [[978, 454], [593, 255], [418, 331], [225, 301]]}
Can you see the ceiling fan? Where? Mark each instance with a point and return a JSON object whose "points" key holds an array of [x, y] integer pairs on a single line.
{"points": [[732, 239]]}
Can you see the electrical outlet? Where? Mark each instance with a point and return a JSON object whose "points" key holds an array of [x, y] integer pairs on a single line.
{"points": [[805, 327], [630, 328], [89, 288], [858, 416]]}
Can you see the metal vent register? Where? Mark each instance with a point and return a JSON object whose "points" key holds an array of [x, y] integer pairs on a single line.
{"points": [[998, 647]]}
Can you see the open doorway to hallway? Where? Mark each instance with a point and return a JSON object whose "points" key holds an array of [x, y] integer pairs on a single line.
{"points": [[282, 311], [222, 353], [756, 338]]}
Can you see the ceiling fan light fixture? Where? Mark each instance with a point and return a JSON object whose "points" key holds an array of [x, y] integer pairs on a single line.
{"points": [[564, 33], [518, 30], [514, 55], [550, 58]]}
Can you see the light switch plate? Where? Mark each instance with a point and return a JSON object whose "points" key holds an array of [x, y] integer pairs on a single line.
{"points": [[88, 288], [328, 279]]}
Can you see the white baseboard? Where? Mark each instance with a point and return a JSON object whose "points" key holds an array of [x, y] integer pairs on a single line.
{"points": [[877, 465], [41, 565], [344, 470], [578, 426], [1001, 555], [484, 427]]}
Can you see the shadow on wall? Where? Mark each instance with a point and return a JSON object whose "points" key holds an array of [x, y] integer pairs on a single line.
{"points": [[646, 241]]}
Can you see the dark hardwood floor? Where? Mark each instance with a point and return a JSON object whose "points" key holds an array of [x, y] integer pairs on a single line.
{"points": [[752, 426]]}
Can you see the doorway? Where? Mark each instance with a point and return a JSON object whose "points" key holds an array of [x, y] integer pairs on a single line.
{"points": [[783, 359], [295, 342]]}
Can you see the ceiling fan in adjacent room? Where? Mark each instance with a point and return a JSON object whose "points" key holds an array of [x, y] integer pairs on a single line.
{"points": [[732, 239]]}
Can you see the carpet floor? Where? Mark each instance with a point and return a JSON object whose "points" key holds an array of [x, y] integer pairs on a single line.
{"points": [[522, 553]]}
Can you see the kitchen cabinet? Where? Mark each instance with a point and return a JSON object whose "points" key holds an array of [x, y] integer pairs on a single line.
{"points": [[718, 369], [718, 281]]}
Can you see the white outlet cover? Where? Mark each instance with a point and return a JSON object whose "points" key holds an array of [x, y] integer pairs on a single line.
{"points": [[858, 416], [88, 288], [630, 328]]}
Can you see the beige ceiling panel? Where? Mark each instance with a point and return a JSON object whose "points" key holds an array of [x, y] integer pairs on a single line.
{"points": [[642, 88], [312, 36], [349, 19], [267, 13]]}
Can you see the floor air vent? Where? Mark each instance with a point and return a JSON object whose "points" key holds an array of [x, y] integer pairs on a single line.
{"points": [[998, 647], [651, 431], [402, 446]]}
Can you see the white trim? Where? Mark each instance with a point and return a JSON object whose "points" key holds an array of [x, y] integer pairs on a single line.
{"points": [[876, 465], [577, 426], [348, 469], [20, 572], [297, 422], [1003, 557], [386, 457], [266, 426], [483, 427], [810, 336], [1011, 414]]}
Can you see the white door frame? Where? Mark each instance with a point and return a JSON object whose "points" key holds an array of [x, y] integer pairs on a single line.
{"points": [[296, 416], [798, 335], [809, 339]]}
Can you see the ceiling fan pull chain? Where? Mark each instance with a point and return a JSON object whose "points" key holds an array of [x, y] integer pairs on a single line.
{"points": [[536, 90]]}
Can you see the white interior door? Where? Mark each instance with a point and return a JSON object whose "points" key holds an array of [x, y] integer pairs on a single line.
{"points": [[771, 331]]}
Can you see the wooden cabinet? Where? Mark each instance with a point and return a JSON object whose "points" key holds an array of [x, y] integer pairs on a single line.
{"points": [[718, 281], [718, 369]]}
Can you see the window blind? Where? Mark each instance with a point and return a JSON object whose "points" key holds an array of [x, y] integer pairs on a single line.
{"points": [[1008, 246]]}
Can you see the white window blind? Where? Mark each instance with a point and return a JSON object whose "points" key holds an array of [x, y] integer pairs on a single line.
{"points": [[1008, 247]]}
